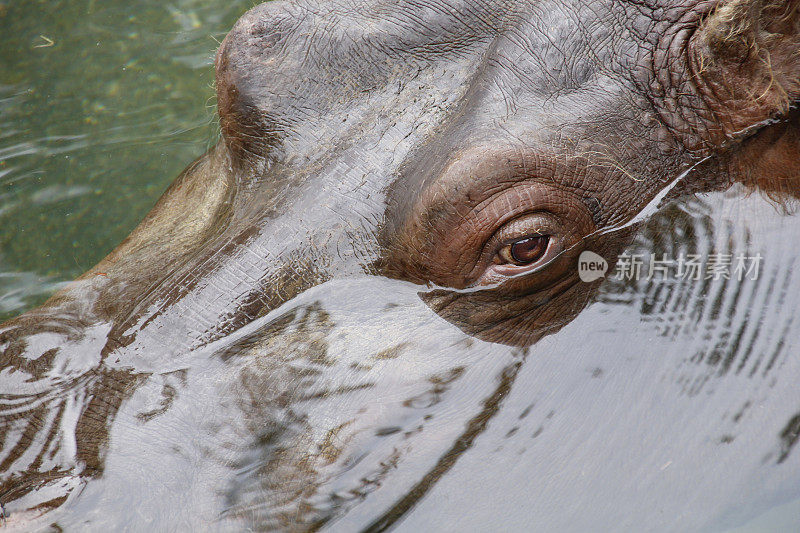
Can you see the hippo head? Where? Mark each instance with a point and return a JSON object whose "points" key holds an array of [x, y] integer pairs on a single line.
{"points": [[480, 147], [472, 149]]}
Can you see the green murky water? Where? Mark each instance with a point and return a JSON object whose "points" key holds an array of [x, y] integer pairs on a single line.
{"points": [[102, 104]]}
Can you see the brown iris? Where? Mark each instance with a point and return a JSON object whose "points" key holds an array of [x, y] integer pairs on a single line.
{"points": [[525, 251]]}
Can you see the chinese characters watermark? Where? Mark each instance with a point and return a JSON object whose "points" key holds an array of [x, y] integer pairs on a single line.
{"points": [[688, 267], [695, 267]]}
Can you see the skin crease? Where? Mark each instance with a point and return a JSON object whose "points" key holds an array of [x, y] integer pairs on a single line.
{"points": [[412, 140]]}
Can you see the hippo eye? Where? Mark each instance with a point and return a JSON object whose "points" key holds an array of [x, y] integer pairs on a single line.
{"points": [[525, 251]]}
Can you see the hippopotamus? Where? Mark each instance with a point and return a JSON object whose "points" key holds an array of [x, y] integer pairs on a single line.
{"points": [[340, 314]]}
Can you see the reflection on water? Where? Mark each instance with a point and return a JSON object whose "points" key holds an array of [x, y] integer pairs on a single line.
{"points": [[333, 399], [17, 289], [664, 398], [94, 126], [355, 406], [744, 323]]}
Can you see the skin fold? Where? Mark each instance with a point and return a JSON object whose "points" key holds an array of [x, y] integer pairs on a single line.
{"points": [[408, 141]]}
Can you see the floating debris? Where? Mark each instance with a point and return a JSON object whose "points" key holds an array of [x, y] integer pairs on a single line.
{"points": [[48, 42]]}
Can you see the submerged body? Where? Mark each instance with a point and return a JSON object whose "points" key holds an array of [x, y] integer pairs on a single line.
{"points": [[338, 315]]}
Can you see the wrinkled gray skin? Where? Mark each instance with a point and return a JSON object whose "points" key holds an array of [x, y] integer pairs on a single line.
{"points": [[192, 379]]}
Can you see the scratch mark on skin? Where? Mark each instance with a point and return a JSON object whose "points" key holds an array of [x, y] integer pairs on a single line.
{"points": [[610, 163]]}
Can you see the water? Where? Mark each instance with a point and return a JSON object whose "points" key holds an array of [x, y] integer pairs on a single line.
{"points": [[349, 410], [101, 106]]}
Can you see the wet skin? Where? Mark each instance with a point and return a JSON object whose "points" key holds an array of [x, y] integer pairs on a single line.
{"points": [[474, 149]]}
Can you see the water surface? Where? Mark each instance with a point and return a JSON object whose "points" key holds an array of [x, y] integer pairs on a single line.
{"points": [[102, 104]]}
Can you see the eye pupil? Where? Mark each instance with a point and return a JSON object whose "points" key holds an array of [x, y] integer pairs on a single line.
{"points": [[529, 250]]}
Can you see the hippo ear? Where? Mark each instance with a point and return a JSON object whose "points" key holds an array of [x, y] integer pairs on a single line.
{"points": [[746, 61]]}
